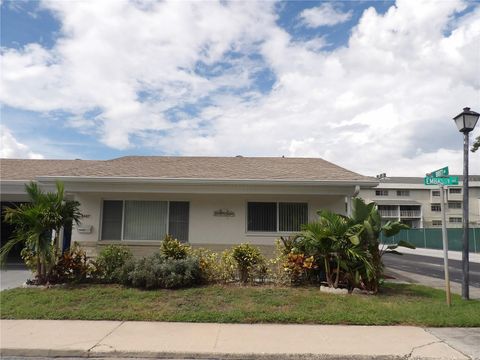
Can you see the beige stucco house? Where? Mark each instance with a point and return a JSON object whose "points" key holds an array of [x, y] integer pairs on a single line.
{"points": [[206, 201]]}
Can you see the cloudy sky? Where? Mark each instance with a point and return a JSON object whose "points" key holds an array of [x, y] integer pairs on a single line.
{"points": [[371, 86]]}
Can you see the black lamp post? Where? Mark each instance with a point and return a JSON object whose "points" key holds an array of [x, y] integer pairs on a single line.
{"points": [[465, 122]]}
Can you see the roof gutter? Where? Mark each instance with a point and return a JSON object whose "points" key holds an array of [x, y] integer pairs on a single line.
{"points": [[199, 181]]}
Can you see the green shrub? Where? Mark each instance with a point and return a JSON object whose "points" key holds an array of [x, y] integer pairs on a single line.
{"points": [[174, 249], [110, 260], [210, 270], [247, 257], [158, 271]]}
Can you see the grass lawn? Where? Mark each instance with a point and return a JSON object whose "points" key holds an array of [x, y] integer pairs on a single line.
{"points": [[397, 304]]}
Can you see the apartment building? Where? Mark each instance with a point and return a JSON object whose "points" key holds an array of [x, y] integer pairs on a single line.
{"points": [[407, 199]]}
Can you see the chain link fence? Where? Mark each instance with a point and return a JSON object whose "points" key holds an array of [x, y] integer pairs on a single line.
{"points": [[432, 238]]}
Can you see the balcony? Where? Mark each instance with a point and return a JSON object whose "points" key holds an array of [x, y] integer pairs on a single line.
{"points": [[388, 213], [410, 213]]}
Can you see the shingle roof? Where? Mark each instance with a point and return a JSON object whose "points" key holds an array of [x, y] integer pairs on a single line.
{"points": [[170, 167], [29, 169]]}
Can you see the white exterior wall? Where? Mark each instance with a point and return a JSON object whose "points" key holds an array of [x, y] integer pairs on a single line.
{"points": [[204, 227]]}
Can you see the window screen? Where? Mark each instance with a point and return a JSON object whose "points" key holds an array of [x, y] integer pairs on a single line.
{"points": [[145, 220], [178, 222], [292, 216], [262, 216], [112, 220]]}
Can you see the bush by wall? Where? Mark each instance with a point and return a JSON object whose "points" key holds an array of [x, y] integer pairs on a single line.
{"points": [[110, 260], [160, 272]]}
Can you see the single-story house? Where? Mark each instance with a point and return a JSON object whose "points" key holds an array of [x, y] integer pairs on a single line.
{"points": [[211, 202]]}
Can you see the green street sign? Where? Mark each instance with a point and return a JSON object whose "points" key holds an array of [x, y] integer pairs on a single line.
{"points": [[439, 173], [451, 180]]}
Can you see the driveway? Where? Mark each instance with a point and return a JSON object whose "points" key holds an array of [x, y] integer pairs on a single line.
{"points": [[13, 276]]}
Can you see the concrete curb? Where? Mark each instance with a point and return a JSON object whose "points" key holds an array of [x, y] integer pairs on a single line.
{"points": [[186, 355]]}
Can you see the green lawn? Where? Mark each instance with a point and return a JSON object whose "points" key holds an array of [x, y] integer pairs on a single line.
{"points": [[397, 304]]}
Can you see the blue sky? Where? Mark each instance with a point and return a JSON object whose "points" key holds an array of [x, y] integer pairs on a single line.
{"points": [[97, 81]]}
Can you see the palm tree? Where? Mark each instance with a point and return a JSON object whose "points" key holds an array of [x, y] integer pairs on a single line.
{"points": [[335, 239], [35, 222]]}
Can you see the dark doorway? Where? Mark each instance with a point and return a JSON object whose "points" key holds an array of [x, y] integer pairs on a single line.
{"points": [[7, 232]]}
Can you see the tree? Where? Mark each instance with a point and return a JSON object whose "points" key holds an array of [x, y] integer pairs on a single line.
{"points": [[35, 223], [476, 144]]}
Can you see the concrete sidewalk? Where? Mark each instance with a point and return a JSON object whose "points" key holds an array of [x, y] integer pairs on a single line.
{"points": [[453, 255], [224, 341]]}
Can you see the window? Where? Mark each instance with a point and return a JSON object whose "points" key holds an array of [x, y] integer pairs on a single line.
{"points": [[436, 207], [454, 205], [403, 192], [262, 216], [435, 192], [381, 192], [273, 217], [178, 219], [436, 222], [455, 190], [144, 220], [291, 216], [455, 219]]}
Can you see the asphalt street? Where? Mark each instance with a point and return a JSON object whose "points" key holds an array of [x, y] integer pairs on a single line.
{"points": [[432, 266]]}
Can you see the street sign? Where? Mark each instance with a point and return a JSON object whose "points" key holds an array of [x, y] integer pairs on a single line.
{"points": [[439, 173], [451, 180]]}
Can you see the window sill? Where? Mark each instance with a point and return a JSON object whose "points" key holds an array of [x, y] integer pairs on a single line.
{"points": [[270, 234], [130, 242]]}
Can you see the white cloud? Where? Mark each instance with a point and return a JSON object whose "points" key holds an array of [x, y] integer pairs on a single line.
{"points": [[11, 148], [326, 14], [381, 104]]}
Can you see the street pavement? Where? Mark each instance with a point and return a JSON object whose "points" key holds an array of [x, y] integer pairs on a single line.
{"points": [[97, 339], [432, 267]]}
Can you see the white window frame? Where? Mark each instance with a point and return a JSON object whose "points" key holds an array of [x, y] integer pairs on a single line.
{"points": [[123, 218], [435, 204], [456, 218], [403, 193], [450, 203], [455, 192], [381, 192], [436, 222], [278, 216]]}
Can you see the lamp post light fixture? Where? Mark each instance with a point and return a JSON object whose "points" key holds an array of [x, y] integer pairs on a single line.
{"points": [[465, 122]]}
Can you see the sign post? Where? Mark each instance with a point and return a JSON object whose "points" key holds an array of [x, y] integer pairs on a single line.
{"points": [[440, 177], [445, 245]]}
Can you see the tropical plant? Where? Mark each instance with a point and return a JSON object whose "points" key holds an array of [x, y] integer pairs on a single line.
{"points": [[227, 267], [247, 258], [72, 266], [370, 225], [209, 264], [173, 249], [334, 241], [35, 223]]}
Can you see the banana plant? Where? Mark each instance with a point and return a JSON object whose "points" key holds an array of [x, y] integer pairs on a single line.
{"points": [[367, 217]]}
